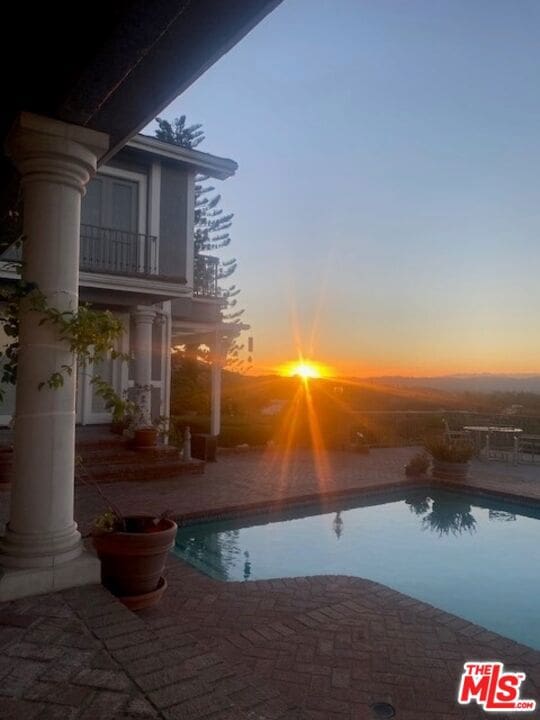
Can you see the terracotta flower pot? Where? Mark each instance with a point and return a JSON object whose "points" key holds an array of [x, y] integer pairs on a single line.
{"points": [[145, 437], [132, 562]]}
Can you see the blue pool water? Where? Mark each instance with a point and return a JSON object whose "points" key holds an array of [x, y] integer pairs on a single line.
{"points": [[475, 557]]}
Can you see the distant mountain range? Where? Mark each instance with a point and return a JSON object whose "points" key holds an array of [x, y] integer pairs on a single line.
{"points": [[485, 382]]}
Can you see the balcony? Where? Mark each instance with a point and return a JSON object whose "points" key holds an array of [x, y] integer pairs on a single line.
{"points": [[105, 250], [117, 251], [205, 276]]}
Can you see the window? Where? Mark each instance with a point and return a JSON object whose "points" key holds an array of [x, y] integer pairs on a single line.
{"points": [[111, 203]]}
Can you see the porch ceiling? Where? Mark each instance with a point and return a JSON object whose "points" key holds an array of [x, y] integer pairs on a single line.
{"points": [[111, 66]]}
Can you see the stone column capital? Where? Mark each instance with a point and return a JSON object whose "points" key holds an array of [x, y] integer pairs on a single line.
{"points": [[143, 314], [47, 150]]}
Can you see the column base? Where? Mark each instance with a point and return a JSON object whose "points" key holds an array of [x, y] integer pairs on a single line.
{"points": [[39, 550], [21, 582]]}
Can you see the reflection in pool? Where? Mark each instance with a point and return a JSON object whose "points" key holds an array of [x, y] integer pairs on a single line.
{"points": [[473, 556]]}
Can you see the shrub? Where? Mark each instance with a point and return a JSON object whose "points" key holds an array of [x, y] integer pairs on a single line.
{"points": [[251, 431], [453, 451], [418, 464]]}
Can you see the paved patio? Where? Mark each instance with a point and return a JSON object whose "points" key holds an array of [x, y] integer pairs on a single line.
{"points": [[305, 648]]}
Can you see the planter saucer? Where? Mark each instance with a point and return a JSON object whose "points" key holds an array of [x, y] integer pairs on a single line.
{"points": [[139, 602]]}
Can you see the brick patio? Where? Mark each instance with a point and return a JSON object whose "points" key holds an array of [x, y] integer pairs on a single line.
{"points": [[304, 648]]}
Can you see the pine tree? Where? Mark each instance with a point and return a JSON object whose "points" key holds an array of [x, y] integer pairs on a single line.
{"points": [[211, 227]]}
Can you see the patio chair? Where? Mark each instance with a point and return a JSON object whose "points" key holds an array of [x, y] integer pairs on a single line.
{"points": [[501, 446], [529, 448]]}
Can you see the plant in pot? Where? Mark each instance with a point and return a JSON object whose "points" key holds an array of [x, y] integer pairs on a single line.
{"points": [[133, 550], [144, 433], [122, 409], [418, 465], [451, 458]]}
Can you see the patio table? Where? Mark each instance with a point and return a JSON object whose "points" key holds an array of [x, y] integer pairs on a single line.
{"points": [[488, 430]]}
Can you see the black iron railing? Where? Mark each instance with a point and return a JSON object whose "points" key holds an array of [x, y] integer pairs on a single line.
{"points": [[205, 276], [117, 251]]}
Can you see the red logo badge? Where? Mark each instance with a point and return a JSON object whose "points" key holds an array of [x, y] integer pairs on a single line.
{"points": [[487, 684]]}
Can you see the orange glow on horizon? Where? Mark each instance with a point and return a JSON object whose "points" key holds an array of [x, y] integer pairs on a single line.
{"points": [[304, 369]]}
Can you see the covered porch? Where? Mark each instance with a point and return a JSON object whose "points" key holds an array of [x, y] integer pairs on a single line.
{"points": [[63, 116]]}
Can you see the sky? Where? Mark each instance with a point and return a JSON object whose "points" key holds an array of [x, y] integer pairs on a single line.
{"points": [[387, 201]]}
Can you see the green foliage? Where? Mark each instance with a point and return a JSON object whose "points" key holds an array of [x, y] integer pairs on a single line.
{"points": [[107, 522], [453, 451], [90, 335], [418, 464], [190, 382], [178, 133], [211, 229], [248, 430], [122, 409]]}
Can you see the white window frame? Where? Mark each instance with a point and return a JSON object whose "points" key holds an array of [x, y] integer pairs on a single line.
{"points": [[142, 182]]}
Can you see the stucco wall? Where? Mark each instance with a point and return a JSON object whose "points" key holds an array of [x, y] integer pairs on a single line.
{"points": [[176, 223]]}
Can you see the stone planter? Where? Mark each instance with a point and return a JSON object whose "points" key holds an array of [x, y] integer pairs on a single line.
{"points": [[132, 562], [443, 470]]}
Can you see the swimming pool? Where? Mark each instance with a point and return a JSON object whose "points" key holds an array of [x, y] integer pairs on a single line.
{"points": [[473, 556]]}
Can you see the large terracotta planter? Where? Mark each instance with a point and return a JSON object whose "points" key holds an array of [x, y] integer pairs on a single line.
{"points": [[132, 562], [145, 437], [443, 470]]}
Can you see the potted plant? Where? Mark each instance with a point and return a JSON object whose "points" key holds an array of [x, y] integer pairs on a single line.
{"points": [[145, 434], [417, 465], [451, 458], [133, 551], [122, 409]]}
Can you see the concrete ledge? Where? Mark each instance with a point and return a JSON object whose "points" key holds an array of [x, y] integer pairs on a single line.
{"points": [[18, 583]]}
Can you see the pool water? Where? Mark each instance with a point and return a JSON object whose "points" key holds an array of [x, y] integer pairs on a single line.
{"points": [[476, 557]]}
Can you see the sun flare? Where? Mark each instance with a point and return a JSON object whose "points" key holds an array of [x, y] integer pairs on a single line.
{"points": [[304, 369]]}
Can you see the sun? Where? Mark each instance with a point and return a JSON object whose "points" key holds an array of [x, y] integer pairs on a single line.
{"points": [[304, 369]]}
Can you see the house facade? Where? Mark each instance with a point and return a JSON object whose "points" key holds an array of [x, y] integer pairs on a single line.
{"points": [[137, 260], [93, 80]]}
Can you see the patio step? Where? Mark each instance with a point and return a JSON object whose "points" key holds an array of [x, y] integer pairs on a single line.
{"points": [[125, 454], [106, 457], [148, 471]]}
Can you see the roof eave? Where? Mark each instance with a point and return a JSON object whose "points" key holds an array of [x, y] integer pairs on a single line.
{"points": [[204, 163]]}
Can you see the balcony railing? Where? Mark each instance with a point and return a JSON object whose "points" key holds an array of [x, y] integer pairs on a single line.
{"points": [[205, 276], [117, 251]]}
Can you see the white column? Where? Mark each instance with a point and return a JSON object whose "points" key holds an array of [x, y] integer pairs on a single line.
{"points": [[215, 385], [55, 160], [166, 360], [143, 318]]}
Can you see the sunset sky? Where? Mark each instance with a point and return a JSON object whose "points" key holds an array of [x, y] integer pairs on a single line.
{"points": [[388, 191]]}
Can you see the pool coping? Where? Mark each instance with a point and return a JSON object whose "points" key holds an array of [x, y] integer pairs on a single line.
{"points": [[262, 506]]}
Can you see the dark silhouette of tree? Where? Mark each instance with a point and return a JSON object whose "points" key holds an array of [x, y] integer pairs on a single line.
{"points": [[211, 230], [178, 133], [211, 224], [444, 513]]}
